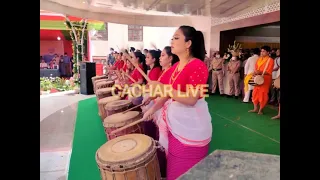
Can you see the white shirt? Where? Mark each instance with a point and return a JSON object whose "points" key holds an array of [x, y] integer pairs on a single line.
{"points": [[276, 64], [43, 65], [250, 64]]}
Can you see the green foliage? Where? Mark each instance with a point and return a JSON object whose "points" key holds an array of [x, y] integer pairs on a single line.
{"points": [[77, 46], [58, 83]]}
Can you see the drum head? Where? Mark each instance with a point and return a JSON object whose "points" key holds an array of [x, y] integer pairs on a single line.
{"points": [[118, 104], [107, 100], [128, 148], [97, 77], [104, 90], [259, 80], [119, 118]]}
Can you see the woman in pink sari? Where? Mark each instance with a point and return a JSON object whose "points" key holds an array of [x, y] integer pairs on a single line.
{"points": [[167, 60], [185, 114]]}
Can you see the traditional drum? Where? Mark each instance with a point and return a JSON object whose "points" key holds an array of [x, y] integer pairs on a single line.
{"points": [[131, 157], [256, 80], [119, 120], [104, 92], [98, 79], [102, 102], [117, 106], [104, 84]]}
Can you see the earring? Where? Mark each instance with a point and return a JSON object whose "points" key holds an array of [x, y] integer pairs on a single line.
{"points": [[188, 54]]}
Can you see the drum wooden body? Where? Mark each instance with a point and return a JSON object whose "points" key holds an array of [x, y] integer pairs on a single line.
{"points": [[110, 83], [117, 106], [101, 84], [118, 120], [102, 102], [130, 157], [104, 92], [97, 79]]}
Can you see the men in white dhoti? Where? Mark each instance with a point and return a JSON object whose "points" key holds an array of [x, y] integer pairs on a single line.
{"points": [[248, 69]]}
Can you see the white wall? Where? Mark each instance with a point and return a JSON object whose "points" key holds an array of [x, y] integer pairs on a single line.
{"points": [[118, 37], [99, 48]]}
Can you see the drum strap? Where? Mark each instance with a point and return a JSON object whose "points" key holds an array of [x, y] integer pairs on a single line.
{"points": [[265, 68]]}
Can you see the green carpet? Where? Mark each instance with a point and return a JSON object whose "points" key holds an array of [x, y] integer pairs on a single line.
{"points": [[233, 129], [88, 137], [236, 129]]}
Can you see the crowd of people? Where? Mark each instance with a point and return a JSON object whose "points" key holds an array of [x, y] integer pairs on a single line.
{"points": [[63, 63], [174, 119], [242, 66]]}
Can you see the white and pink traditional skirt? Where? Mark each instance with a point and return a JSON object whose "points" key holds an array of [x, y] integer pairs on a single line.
{"points": [[191, 125]]}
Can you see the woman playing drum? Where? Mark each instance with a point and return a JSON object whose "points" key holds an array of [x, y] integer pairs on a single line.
{"points": [[184, 112], [167, 59], [119, 62], [152, 60], [137, 58]]}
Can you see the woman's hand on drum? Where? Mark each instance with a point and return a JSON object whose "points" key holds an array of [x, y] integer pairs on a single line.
{"points": [[148, 115]]}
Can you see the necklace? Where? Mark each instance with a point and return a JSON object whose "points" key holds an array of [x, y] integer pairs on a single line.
{"points": [[163, 73], [173, 76]]}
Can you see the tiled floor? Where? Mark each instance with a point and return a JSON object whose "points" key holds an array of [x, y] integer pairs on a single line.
{"points": [[57, 118]]}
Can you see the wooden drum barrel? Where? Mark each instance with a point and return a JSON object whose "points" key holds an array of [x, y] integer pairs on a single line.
{"points": [[119, 120], [103, 84], [104, 92], [131, 157], [102, 102], [117, 106], [98, 79]]}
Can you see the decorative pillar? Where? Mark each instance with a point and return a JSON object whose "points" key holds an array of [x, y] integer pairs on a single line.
{"points": [[89, 45]]}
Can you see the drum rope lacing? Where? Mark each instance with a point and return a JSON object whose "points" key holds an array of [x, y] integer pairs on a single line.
{"points": [[125, 172], [150, 155]]}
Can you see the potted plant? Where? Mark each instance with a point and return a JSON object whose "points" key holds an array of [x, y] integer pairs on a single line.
{"points": [[45, 86]]}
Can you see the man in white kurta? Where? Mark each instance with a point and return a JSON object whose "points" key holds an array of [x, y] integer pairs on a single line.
{"points": [[278, 116], [276, 67], [248, 69]]}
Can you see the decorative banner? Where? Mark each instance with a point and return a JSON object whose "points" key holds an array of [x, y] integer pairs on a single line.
{"points": [[58, 23]]}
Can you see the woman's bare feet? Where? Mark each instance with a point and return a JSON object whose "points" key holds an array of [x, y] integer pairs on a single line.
{"points": [[276, 117], [260, 112], [253, 111]]}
